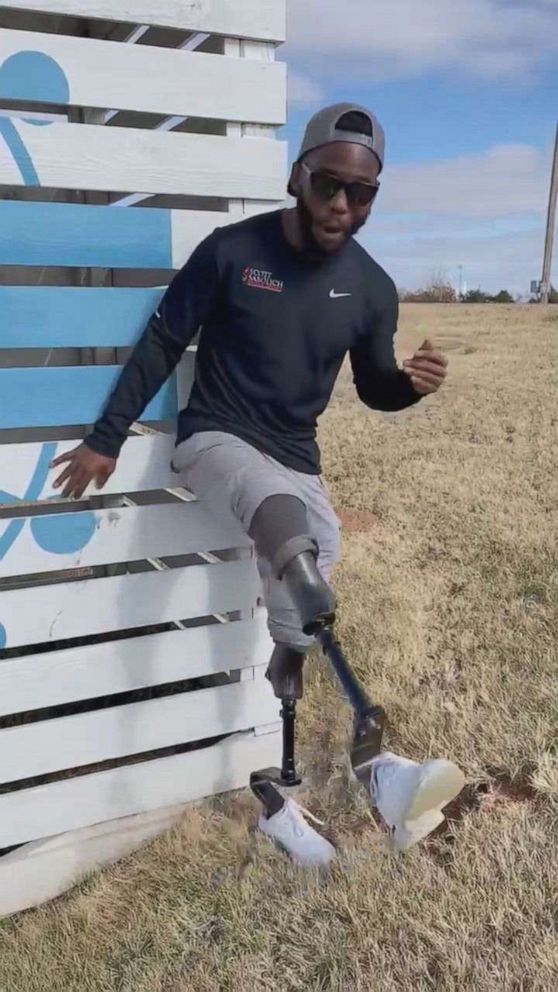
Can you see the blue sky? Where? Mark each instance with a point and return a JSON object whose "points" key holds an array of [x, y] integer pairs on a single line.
{"points": [[467, 91]]}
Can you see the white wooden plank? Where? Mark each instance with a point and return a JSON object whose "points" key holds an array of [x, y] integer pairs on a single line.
{"points": [[37, 681], [153, 80], [189, 227], [131, 160], [57, 396], [259, 52], [51, 542], [71, 234], [44, 869], [73, 609], [49, 810], [263, 19], [144, 464], [73, 741]]}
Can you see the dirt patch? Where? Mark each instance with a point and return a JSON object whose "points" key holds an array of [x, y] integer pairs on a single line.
{"points": [[358, 521], [502, 788]]}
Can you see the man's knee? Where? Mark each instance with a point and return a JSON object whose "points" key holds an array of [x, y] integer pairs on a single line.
{"points": [[280, 530], [281, 534]]}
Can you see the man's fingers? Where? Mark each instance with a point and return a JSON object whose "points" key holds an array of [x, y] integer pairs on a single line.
{"points": [[69, 488], [76, 485], [80, 489], [435, 380], [436, 357], [66, 457], [425, 366], [62, 477], [102, 478], [424, 385]]}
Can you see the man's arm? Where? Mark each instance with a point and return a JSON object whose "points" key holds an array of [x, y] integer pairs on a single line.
{"points": [[379, 381], [186, 305]]}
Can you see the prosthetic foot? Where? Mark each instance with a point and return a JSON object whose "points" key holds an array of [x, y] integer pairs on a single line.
{"points": [[291, 831], [283, 820], [410, 796]]}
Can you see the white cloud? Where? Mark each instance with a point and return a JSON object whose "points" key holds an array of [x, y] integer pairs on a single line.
{"points": [[486, 212], [391, 38], [505, 180], [303, 91]]}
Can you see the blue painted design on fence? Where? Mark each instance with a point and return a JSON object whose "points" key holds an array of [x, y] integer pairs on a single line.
{"points": [[30, 76], [72, 234], [34, 76], [58, 397], [67, 317], [21, 156], [63, 533], [34, 489], [58, 534]]}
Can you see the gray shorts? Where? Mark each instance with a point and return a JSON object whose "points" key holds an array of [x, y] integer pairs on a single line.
{"points": [[231, 476]]}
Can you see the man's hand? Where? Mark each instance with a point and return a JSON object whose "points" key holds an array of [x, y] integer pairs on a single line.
{"points": [[427, 369], [83, 465]]}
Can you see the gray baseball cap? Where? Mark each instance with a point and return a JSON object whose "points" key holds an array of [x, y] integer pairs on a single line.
{"points": [[322, 129]]}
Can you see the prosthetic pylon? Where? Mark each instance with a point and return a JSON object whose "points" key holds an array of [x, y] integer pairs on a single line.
{"points": [[368, 727]]}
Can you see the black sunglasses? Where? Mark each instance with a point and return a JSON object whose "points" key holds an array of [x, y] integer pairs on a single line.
{"points": [[325, 186]]}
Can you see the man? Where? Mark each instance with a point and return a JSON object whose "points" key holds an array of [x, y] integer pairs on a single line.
{"points": [[281, 299]]}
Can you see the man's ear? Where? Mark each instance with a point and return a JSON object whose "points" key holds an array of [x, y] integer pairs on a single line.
{"points": [[293, 188]]}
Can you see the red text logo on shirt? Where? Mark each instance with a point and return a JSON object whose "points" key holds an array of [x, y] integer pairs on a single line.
{"points": [[259, 279]]}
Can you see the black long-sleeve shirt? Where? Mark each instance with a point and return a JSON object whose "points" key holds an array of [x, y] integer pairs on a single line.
{"points": [[275, 329]]}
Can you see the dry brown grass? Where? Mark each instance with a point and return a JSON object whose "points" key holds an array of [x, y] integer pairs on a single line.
{"points": [[449, 593]]}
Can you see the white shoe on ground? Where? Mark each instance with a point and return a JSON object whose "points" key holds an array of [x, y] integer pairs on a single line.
{"points": [[410, 796], [289, 829]]}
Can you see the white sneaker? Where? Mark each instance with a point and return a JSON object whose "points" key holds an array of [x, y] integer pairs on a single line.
{"points": [[410, 796], [289, 829]]}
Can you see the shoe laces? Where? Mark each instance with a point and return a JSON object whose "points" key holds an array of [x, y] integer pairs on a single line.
{"points": [[300, 812]]}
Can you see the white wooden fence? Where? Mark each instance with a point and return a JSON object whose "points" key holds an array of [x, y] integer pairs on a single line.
{"points": [[132, 645]]}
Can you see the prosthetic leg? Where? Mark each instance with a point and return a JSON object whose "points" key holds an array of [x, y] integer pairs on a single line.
{"points": [[279, 532]]}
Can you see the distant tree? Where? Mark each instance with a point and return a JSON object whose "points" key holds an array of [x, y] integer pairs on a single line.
{"points": [[503, 297], [436, 291], [476, 296], [439, 290]]}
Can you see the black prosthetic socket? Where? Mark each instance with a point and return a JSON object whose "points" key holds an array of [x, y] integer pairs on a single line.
{"points": [[277, 522], [310, 593], [280, 532], [285, 672]]}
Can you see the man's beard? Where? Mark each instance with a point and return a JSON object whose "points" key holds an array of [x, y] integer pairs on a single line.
{"points": [[310, 245]]}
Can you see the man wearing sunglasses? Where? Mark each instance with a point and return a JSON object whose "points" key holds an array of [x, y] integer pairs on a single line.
{"points": [[281, 300]]}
